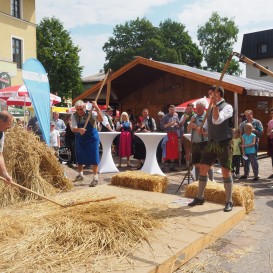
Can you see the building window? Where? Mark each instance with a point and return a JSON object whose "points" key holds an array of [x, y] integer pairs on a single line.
{"points": [[262, 49], [17, 52], [15, 8], [262, 74]]}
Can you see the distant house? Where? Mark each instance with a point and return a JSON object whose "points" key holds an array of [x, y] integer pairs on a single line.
{"points": [[92, 80], [258, 46]]}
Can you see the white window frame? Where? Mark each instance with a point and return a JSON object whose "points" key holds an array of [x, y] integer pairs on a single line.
{"points": [[20, 7]]}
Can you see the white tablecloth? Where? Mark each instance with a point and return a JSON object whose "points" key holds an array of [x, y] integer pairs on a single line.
{"points": [[107, 164], [151, 141]]}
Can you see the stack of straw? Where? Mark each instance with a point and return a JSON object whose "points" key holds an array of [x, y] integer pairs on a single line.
{"points": [[140, 180], [65, 240], [32, 164], [215, 192]]}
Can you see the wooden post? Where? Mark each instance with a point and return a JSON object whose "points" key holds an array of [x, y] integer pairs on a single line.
{"points": [[108, 89]]}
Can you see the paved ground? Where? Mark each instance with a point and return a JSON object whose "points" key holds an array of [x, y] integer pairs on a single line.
{"points": [[247, 248]]}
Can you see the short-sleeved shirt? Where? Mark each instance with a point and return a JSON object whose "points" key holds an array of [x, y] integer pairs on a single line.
{"points": [[54, 135], [59, 124], [166, 119], [248, 139], [257, 125]]}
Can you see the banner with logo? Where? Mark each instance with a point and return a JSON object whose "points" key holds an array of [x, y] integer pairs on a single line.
{"points": [[36, 81]]}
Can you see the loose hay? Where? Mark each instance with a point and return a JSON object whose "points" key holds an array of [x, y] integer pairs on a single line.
{"points": [[32, 164], [214, 192], [67, 239], [140, 180]]}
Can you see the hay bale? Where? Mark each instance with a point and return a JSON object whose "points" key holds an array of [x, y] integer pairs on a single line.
{"points": [[215, 192], [140, 180], [31, 164]]}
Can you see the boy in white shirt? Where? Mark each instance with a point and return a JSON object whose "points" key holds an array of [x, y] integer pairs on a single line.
{"points": [[54, 138]]}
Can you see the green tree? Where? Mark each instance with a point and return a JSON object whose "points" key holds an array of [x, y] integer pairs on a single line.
{"points": [[217, 37], [176, 38], [168, 43], [130, 40], [55, 50]]}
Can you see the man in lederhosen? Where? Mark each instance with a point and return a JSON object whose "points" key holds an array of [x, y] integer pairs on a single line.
{"points": [[219, 126]]}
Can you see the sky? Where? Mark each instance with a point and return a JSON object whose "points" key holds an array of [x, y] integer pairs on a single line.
{"points": [[91, 22]]}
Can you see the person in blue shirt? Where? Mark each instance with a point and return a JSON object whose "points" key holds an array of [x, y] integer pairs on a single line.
{"points": [[257, 127], [249, 152]]}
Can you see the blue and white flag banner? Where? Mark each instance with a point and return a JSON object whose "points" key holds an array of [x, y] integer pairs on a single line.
{"points": [[36, 81]]}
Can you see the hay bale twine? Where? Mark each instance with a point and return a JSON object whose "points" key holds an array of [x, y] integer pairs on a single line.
{"points": [[140, 180], [215, 192]]}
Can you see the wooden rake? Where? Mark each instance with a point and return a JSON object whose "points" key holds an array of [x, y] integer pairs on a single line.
{"points": [[69, 204]]}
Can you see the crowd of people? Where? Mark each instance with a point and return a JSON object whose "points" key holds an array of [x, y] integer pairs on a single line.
{"points": [[195, 138]]}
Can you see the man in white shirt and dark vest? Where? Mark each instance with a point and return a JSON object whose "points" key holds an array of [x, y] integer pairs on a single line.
{"points": [[219, 128], [107, 124]]}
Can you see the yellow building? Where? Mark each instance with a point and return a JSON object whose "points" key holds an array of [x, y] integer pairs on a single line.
{"points": [[18, 39]]}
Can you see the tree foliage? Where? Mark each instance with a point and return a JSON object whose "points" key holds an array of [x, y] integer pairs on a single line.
{"points": [[168, 43], [217, 37], [55, 50]]}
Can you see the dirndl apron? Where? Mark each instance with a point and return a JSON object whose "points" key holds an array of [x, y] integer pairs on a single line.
{"points": [[172, 146], [87, 146]]}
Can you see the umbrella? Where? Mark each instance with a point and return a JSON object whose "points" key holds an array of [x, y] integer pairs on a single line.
{"points": [[25, 100], [13, 91], [19, 101], [18, 95], [182, 107]]}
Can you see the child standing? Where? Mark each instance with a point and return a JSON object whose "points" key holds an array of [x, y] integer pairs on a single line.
{"points": [[249, 152], [236, 157], [54, 138]]}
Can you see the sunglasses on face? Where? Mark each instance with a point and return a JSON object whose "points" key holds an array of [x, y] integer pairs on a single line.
{"points": [[79, 109]]}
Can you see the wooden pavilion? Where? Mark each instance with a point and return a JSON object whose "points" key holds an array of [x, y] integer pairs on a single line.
{"points": [[155, 85]]}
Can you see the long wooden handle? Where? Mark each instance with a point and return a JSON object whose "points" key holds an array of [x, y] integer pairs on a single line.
{"points": [[108, 90], [90, 201], [33, 192], [217, 86], [254, 64], [244, 59], [96, 99]]}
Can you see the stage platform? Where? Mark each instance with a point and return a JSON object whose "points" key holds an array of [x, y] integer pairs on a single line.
{"points": [[185, 232]]}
